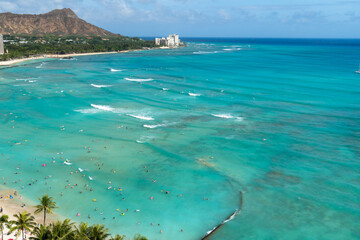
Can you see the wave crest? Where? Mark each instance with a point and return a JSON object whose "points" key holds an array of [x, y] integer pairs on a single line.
{"points": [[154, 126], [142, 117], [139, 79], [100, 86], [194, 94], [115, 70], [103, 107], [227, 116]]}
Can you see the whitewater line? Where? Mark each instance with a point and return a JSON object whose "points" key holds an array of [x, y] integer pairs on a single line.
{"points": [[231, 217]]}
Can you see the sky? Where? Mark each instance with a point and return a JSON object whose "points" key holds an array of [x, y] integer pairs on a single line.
{"points": [[210, 18]]}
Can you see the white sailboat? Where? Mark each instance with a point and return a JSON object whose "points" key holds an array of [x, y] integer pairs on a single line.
{"points": [[358, 71]]}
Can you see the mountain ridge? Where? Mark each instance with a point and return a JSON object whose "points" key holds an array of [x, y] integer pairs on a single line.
{"points": [[62, 22]]}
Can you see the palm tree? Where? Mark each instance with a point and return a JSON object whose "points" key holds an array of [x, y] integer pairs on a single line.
{"points": [[24, 222], [4, 221], [118, 237], [99, 232], [62, 230], [82, 232], [42, 233], [46, 205], [139, 237]]}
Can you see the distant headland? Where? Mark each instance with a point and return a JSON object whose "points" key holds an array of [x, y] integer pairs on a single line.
{"points": [[60, 22], [61, 32]]}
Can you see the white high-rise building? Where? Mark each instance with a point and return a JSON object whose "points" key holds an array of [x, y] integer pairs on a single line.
{"points": [[1, 44], [170, 41], [173, 40]]}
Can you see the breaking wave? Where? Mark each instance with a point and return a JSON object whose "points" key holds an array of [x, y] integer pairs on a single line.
{"points": [[41, 65], [194, 94], [204, 52], [116, 70], [31, 80], [142, 117], [154, 126], [100, 86], [139, 79], [227, 116], [103, 107]]}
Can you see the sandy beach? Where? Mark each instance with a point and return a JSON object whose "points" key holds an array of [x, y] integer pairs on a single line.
{"points": [[11, 206], [14, 61]]}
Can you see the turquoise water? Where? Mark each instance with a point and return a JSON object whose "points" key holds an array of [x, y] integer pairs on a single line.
{"points": [[277, 120]]}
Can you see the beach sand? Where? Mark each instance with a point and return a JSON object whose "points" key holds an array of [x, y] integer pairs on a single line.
{"points": [[14, 61], [11, 62], [14, 206]]}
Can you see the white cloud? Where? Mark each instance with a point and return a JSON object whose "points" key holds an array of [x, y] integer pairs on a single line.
{"points": [[6, 6], [224, 15]]}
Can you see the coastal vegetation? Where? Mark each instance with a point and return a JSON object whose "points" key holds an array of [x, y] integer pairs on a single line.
{"points": [[46, 205], [18, 46], [24, 222], [60, 230], [4, 222]]}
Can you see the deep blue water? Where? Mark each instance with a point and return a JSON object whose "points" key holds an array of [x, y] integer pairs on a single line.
{"points": [[277, 119]]}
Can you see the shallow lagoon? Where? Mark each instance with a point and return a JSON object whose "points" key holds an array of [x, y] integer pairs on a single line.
{"points": [[277, 121]]}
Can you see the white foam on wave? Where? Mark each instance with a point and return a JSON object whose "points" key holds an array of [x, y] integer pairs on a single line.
{"points": [[68, 59], [144, 139], [227, 116], [88, 110], [41, 65], [142, 117], [100, 86], [165, 89], [139, 79], [204, 52], [116, 70], [31, 80], [194, 94], [103, 107], [154, 126], [232, 49]]}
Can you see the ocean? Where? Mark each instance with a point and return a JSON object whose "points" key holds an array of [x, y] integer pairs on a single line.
{"points": [[176, 140]]}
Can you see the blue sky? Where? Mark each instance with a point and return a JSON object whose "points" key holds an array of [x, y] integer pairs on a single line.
{"points": [[210, 18]]}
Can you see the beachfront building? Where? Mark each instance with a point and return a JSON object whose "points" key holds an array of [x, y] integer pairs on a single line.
{"points": [[1, 44], [171, 41]]}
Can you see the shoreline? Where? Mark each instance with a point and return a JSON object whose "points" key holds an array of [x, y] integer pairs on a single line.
{"points": [[11, 206], [47, 56]]}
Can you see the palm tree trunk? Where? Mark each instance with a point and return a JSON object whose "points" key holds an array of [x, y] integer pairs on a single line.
{"points": [[2, 233], [44, 217], [22, 233]]}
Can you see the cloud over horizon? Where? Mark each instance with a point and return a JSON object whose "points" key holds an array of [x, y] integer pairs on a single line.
{"points": [[233, 18]]}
